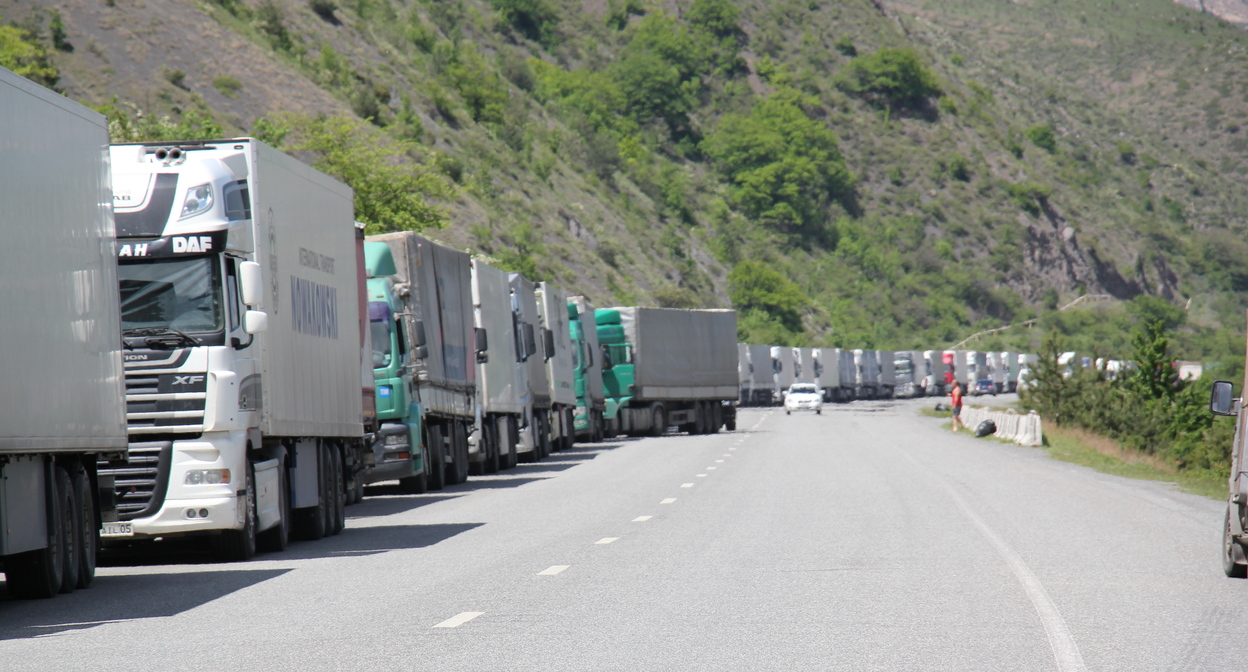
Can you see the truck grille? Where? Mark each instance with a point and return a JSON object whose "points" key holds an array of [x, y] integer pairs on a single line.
{"points": [[140, 483], [167, 403]]}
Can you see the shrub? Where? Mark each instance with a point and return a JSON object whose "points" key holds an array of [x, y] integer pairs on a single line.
{"points": [[717, 17], [536, 20], [177, 78], [56, 31], [892, 77], [618, 13], [960, 168], [1043, 137], [325, 9], [127, 123], [271, 22], [22, 53], [228, 86], [845, 45], [947, 105], [1126, 152]]}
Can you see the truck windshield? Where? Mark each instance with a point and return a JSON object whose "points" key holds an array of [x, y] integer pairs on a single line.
{"points": [[181, 294], [382, 350]]}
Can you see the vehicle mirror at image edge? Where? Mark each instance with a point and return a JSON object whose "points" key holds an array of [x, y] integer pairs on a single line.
{"points": [[418, 333], [255, 322], [251, 282], [483, 341], [1221, 399], [548, 340], [420, 352]]}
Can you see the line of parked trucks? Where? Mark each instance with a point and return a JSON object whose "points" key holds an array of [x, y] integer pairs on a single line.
{"points": [[766, 372], [199, 340]]}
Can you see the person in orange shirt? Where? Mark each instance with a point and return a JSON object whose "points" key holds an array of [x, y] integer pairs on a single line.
{"points": [[956, 396]]}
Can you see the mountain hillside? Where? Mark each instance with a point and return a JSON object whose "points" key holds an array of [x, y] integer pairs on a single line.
{"points": [[890, 174]]}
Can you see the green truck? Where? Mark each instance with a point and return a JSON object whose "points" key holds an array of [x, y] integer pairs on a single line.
{"points": [[665, 367], [587, 371]]}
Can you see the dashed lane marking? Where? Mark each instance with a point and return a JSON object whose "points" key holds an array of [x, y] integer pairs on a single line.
{"points": [[701, 475], [686, 485], [553, 570], [456, 621], [720, 461], [642, 519], [709, 468], [669, 500], [606, 540]]}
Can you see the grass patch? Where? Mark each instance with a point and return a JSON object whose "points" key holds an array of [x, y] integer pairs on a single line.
{"points": [[1107, 456]]}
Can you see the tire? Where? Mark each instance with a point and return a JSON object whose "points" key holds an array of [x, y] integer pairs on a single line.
{"points": [[437, 461], [658, 421], [38, 574], [277, 538], [338, 485], [818, 411], [543, 438], [457, 470], [509, 459], [240, 545], [731, 423], [489, 430], [357, 487], [71, 525], [89, 532], [717, 417], [788, 412], [1232, 569], [326, 473]]}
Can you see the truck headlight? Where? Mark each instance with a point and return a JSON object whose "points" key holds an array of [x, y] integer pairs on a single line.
{"points": [[198, 200], [396, 440], [207, 476]]}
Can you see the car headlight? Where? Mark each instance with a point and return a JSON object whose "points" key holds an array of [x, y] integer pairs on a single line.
{"points": [[198, 200]]}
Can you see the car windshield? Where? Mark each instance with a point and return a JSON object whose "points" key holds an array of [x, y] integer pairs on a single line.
{"points": [[182, 294], [802, 389]]}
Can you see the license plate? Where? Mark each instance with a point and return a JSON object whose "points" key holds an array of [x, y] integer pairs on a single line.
{"points": [[117, 530]]}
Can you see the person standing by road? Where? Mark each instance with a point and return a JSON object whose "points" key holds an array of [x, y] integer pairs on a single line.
{"points": [[956, 396]]}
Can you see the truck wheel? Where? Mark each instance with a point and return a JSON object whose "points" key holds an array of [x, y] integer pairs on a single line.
{"points": [[89, 530], [240, 545], [277, 538], [71, 523], [338, 484], [509, 458], [437, 458], [730, 423], [1233, 569], [658, 420], [457, 471], [489, 430], [327, 490], [38, 574]]}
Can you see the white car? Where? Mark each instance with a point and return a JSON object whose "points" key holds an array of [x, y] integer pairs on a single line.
{"points": [[803, 396]]}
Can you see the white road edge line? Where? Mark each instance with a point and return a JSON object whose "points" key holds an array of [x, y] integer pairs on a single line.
{"points": [[669, 500], [553, 570], [1065, 650], [456, 621], [642, 519], [606, 540]]}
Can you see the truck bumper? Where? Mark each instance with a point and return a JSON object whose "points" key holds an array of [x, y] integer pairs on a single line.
{"points": [[224, 503]]}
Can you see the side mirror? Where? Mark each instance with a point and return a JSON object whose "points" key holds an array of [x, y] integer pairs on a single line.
{"points": [[418, 333], [548, 341], [530, 341], [255, 322], [251, 282], [482, 345], [1221, 399], [420, 352], [606, 358]]}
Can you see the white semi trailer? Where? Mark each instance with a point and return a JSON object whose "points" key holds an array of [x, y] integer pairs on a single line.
{"points": [[535, 432], [552, 309], [240, 307], [888, 374], [62, 405], [499, 371]]}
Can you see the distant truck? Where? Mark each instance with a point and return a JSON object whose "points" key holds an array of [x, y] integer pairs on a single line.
{"points": [[830, 374], [239, 268], [433, 285], [867, 372], [499, 372], [888, 375], [62, 403], [762, 369], [535, 432], [1223, 402], [552, 309], [670, 367], [909, 369], [591, 402], [786, 370], [849, 376]]}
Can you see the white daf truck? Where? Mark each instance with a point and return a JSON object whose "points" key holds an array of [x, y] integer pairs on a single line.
{"points": [[244, 370], [61, 403], [552, 309]]}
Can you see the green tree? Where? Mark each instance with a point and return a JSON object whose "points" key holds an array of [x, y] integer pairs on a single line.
{"points": [[1155, 377], [22, 53], [127, 123], [757, 287], [594, 95], [717, 17], [784, 167], [392, 192], [892, 77]]}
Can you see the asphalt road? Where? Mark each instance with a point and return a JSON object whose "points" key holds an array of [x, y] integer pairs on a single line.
{"points": [[867, 538]]}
